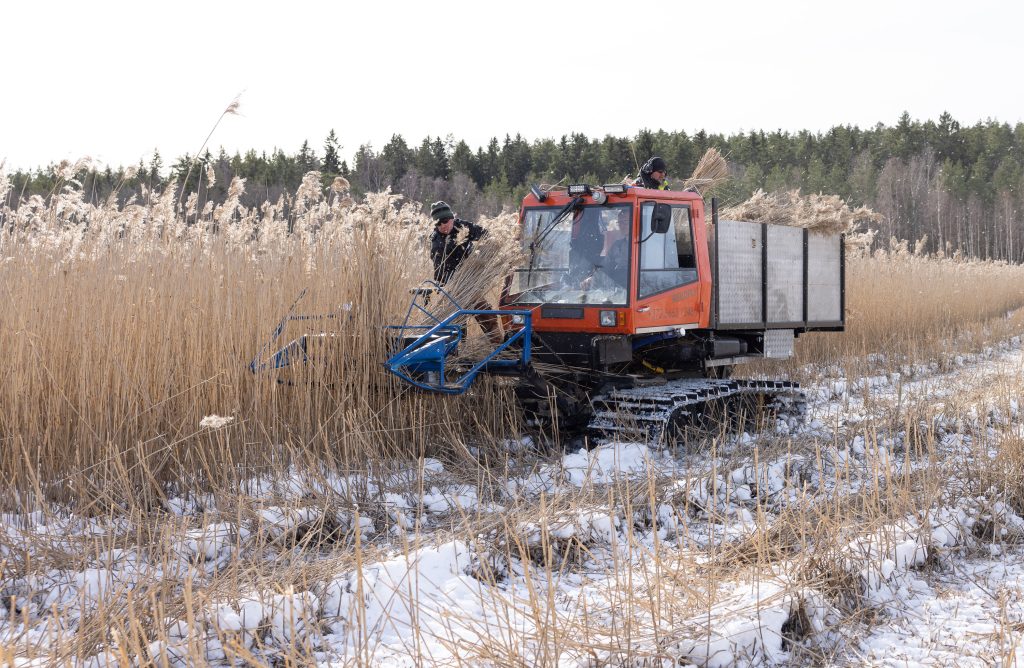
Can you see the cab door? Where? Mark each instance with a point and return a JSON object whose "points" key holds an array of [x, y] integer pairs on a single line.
{"points": [[667, 287]]}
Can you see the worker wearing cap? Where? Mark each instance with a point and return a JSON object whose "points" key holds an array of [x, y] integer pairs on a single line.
{"points": [[653, 174], [447, 251]]}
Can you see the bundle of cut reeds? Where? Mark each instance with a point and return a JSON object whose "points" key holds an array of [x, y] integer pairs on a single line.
{"points": [[820, 213], [711, 171]]}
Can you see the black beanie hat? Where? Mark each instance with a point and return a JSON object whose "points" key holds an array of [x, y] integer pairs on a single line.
{"points": [[655, 164], [441, 211]]}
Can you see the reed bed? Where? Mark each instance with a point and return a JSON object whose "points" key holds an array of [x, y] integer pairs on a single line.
{"points": [[124, 327]]}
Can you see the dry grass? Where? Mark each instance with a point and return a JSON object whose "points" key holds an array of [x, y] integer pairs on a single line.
{"points": [[654, 592]]}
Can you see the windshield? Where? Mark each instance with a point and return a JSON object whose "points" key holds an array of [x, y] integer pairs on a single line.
{"points": [[584, 259]]}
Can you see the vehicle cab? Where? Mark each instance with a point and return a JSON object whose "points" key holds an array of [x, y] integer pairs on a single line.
{"points": [[612, 260]]}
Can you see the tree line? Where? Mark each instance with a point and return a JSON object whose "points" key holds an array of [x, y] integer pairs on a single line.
{"points": [[957, 185]]}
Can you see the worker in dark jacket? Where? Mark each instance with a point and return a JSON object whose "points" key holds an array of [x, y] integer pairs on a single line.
{"points": [[449, 246], [653, 174], [447, 250]]}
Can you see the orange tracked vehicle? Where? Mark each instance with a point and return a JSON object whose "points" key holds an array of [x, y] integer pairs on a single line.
{"points": [[630, 310]]}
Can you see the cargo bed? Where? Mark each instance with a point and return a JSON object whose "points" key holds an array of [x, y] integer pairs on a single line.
{"points": [[776, 277]]}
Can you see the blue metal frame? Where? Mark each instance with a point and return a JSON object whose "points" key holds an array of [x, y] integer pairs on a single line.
{"points": [[422, 363], [294, 350]]}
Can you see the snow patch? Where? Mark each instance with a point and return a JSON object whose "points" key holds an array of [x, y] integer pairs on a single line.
{"points": [[606, 463], [747, 629]]}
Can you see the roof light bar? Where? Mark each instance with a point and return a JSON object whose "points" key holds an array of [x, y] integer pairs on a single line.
{"points": [[579, 189], [614, 188]]}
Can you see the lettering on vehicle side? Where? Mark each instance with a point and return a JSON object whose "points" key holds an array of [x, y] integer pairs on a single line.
{"points": [[685, 293], [660, 313]]}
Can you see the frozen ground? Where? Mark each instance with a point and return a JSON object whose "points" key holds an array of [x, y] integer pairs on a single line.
{"points": [[860, 536]]}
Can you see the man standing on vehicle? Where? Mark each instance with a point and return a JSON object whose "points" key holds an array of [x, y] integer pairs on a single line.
{"points": [[653, 174], [450, 243]]}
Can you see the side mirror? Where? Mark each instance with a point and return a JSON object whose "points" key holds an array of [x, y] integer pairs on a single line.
{"points": [[661, 220]]}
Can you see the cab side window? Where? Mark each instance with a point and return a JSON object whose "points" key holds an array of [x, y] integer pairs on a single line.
{"points": [[666, 260]]}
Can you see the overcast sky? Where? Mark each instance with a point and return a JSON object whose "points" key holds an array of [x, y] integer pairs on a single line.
{"points": [[114, 80]]}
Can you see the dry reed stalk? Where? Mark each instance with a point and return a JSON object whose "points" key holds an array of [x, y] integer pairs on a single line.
{"points": [[230, 110]]}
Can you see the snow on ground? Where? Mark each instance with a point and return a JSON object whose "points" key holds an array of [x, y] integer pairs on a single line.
{"points": [[612, 555], [967, 612]]}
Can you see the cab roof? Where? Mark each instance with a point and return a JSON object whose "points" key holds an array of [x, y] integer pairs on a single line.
{"points": [[632, 194]]}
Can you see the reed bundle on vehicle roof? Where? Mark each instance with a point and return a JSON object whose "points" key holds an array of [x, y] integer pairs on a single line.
{"points": [[821, 213]]}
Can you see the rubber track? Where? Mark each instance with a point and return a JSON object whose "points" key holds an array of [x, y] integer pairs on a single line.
{"points": [[646, 413]]}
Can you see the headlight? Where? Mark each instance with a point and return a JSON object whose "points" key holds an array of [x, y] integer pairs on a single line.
{"points": [[517, 319], [607, 318]]}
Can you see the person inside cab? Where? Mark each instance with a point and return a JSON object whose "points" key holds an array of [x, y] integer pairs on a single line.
{"points": [[585, 248], [653, 174]]}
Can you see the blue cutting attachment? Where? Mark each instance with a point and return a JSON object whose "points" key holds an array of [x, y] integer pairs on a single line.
{"points": [[423, 354]]}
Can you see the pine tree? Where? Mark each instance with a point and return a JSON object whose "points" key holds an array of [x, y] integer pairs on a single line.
{"points": [[396, 157], [369, 169], [544, 157], [1007, 176], [462, 160], [331, 164], [643, 148], [155, 165], [489, 166], [307, 157], [515, 160], [439, 157]]}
